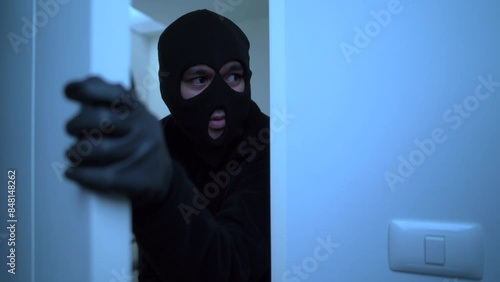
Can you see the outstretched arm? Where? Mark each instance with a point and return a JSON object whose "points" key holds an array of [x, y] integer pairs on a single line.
{"points": [[130, 157]]}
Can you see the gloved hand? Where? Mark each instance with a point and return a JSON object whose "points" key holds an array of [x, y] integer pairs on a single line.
{"points": [[120, 146]]}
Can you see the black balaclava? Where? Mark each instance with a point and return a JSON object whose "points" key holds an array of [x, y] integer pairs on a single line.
{"points": [[204, 37]]}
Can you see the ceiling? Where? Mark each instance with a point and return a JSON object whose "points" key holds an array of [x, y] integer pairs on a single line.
{"points": [[166, 11]]}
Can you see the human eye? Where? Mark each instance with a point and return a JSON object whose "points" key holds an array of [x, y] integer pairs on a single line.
{"points": [[197, 80], [234, 77], [197, 76], [200, 80]]}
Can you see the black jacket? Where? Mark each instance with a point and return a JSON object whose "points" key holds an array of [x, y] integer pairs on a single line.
{"points": [[214, 225]]}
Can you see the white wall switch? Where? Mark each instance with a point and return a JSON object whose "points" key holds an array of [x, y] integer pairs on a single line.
{"points": [[436, 248]]}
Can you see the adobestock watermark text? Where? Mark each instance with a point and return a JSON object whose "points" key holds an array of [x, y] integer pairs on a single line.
{"points": [[454, 117], [364, 35], [46, 9]]}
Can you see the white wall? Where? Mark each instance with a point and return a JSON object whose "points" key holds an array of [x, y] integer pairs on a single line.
{"points": [[144, 66], [257, 31], [354, 115], [16, 149], [64, 233]]}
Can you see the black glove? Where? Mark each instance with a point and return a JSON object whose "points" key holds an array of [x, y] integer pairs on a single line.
{"points": [[120, 146]]}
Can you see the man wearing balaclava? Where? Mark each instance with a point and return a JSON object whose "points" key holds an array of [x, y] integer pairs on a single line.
{"points": [[198, 181]]}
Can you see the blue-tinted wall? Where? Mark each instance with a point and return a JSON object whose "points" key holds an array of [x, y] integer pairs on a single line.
{"points": [[368, 83], [63, 233]]}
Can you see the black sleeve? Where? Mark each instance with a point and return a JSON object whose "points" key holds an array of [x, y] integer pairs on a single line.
{"points": [[232, 245]]}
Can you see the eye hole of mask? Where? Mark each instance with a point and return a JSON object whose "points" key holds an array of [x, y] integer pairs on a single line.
{"points": [[197, 78]]}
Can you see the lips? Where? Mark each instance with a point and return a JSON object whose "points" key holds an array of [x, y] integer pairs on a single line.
{"points": [[217, 121], [217, 124]]}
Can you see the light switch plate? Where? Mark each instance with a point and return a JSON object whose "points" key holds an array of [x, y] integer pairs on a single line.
{"points": [[436, 248]]}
